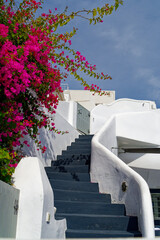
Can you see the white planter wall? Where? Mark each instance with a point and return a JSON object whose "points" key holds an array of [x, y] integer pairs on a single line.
{"points": [[36, 203]]}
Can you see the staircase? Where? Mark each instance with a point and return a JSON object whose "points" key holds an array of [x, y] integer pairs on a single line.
{"points": [[89, 214], [155, 194]]}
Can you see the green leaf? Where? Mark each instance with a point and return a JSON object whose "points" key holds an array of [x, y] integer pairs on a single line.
{"points": [[116, 6], [72, 16], [98, 10], [94, 12], [90, 21]]}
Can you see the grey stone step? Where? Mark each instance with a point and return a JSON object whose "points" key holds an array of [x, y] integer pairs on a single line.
{"points": [[69, 176], [79, 146], [86, 137], [69, 168], [69, 162], [99, 222], [72, 233], [89, 208], [76, 151], [73, 156], [81, 143], [81, 196], [74, 185]]}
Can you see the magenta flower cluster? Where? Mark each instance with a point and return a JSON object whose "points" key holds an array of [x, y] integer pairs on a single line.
{"points": [[30, 52]]}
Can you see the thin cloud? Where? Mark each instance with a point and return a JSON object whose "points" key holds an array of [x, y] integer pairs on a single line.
{"points": [[124, 40], [149, 75]]}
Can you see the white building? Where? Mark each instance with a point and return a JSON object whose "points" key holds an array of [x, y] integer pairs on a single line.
{"points": [[87, 99], [126, 138]]}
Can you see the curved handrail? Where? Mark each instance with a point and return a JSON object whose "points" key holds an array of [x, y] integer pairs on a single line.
{"points": [[124, 184]]}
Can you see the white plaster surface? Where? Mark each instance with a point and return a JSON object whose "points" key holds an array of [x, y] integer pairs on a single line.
{"points": [[36, 200], [9, 198], [101, 113], [147, 161], [141, 160], [145, 164], [151, 176], [111, 172], [68, 110], [139, 126], [54, 142]]}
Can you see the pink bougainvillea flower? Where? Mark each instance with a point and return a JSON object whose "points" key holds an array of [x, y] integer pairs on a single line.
{"points": [[3, 30]]}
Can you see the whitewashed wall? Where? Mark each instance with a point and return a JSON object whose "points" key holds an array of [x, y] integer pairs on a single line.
{"points": [[55, 143], [142, 126], [101, 113], [68, 110], [9, 199], [146, 164], [36, 203]]}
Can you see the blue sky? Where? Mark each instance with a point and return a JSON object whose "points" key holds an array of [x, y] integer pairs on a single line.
{"points": [[125, 45]]}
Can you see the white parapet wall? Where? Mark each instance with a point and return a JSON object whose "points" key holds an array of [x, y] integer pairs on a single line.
{"points": [[9, 201], [101, 113], [54, 142], [36, 203]]}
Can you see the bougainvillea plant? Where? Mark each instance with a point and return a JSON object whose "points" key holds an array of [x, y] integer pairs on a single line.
{"points": [[32, 52]]}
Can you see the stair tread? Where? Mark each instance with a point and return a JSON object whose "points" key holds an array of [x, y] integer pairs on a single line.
{"points": [[75, 185], [96, 203], [77, 154], [81, 142], [85, 151], [70, 168], [99, 231], [74, 156], [96, 221], [101, 234], [78, 146], [81, 196], [82, 177], [69, 162], [94, 215], [89, 208], [74, 182], [96, 193]]}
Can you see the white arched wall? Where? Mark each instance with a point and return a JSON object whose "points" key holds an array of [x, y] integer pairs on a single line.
{"points": [[101, 113]]}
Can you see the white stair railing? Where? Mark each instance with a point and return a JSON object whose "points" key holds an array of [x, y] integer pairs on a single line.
{"points": [[116, 178]]}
